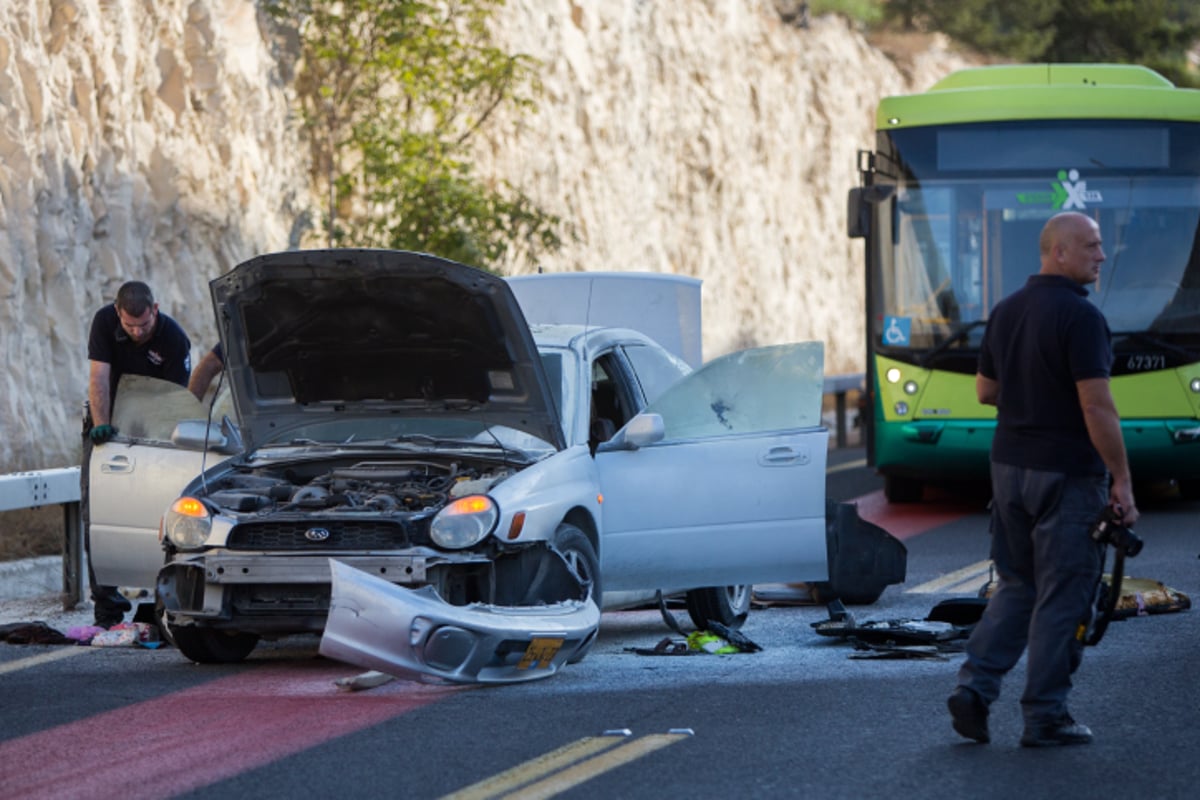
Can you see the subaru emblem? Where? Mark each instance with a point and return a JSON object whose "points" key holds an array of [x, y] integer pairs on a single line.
{"points": [[317, 534]]}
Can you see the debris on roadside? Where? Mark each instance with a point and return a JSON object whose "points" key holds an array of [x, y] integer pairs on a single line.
{"points": [[944, 630], [719, 640], [364, 680], [36, 632]]}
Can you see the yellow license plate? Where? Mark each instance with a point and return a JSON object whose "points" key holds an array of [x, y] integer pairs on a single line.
{"points": [[540, 653]]}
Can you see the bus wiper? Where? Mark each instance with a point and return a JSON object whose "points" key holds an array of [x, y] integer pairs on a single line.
{"points": [[956, 335], [1155, 341]]}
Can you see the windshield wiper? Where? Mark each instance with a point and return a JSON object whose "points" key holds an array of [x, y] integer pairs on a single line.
{"points": [[1155, 341], [959, 333]]}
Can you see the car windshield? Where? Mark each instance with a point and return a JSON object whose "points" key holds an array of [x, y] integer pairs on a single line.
{"points": [[969, 201]]}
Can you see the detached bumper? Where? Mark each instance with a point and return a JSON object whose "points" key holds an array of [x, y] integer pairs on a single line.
{"points": [[415, 634]]}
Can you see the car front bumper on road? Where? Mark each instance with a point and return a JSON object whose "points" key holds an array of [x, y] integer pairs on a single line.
{"points": [[415, 634]]}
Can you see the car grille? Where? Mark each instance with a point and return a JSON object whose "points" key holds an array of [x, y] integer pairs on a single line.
{"points": [[344, 534]]}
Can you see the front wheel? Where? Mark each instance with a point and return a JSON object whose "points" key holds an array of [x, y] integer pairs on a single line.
{"points": [[578, 551], [208, 646], [728, 605]]}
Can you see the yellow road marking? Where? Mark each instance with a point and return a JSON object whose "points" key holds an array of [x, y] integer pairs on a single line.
{"points": [[535, 768], [50, 655], [585, 771], [953, 580], [862, 462]]}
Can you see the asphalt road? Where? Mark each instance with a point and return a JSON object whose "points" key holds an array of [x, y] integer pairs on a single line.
{"points": [[802, 718]]}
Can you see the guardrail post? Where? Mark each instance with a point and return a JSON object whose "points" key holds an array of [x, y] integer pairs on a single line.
{"points": [[839, 386], [840, 400], [72, 559]]}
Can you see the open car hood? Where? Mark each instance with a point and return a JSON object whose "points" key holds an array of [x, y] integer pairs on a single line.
{"points": [[343, 334]]}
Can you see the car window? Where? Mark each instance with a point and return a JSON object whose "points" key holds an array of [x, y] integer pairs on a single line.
{"points": [[149, 408], [552, 365], [751, 391], [657, 370], [612, 396]]}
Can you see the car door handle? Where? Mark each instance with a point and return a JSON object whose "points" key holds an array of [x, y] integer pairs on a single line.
{"points": [[117, 464], [783, 456]]}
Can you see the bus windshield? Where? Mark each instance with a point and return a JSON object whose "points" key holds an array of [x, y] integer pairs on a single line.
{"points": [[965, 205]]}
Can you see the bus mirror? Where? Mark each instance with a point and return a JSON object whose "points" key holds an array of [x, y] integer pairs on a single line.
{"points": [[858, 215], [858, 207]]}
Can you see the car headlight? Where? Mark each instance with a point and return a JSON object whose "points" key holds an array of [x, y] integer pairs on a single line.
{"points": [[464, 522], [187, 523]]}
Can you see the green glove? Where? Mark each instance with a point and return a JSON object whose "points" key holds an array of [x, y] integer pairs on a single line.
{"points": [[102, 433]]}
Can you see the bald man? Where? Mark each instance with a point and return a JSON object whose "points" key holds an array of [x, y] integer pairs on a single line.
{"points": [[1057, 459]]}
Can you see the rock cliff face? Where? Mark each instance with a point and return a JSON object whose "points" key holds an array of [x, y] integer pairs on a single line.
{"points": [[153, 140]]}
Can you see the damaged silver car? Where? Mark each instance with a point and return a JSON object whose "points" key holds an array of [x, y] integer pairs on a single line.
{"points": [[485, 484]]}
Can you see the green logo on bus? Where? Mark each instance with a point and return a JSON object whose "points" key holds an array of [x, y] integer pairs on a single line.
{"points": [[1066, 193]]}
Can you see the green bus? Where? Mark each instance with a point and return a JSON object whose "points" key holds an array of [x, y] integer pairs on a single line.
{"points": [[951, 204]]}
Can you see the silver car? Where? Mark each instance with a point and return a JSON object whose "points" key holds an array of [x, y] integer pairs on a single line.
{"points": [[403, 445]]}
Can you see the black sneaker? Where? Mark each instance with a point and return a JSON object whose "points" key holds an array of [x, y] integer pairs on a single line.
{"points": [[1066, 731], [969, 715], [110, 606]]}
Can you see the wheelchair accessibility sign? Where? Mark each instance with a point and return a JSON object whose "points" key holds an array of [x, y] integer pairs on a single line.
{"points": [[897, 330]]}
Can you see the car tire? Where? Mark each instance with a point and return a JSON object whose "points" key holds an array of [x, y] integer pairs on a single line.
{"points": [[577, 549], [728, 605], [208, 646], [898, 489]]}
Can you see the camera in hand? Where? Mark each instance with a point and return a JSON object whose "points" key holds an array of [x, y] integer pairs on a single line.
{"points": [[1109, 530]]}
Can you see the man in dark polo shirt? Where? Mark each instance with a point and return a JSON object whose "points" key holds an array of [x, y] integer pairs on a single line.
{"points": [[1057, 459], [128, 337]]}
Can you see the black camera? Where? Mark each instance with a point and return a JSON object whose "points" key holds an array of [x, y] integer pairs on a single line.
{"points": [[1109, 530]]}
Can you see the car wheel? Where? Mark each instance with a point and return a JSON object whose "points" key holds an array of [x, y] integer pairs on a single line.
{"points": [[208, 646], [902, 490], [728, 605], [577, 549]]}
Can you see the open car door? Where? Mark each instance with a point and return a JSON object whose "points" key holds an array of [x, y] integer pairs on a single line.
{"points": [[734, 490], [133, 478]]}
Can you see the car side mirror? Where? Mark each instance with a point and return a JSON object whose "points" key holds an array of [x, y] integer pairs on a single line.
{"points": [[642, 430], [196, 434]]}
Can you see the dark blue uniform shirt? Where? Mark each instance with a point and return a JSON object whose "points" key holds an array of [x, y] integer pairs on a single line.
{"points": [[1039, 341], [167, 354]]}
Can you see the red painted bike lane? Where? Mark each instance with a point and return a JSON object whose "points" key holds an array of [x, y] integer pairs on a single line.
{"points": [[207, 733], [906, 520]]}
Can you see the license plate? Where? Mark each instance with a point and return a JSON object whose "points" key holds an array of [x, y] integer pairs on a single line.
{"points": [[540, 653]]}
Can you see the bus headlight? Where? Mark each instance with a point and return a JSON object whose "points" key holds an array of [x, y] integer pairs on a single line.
{"points": [[187, 523], [901, 408], [910, 387], [464, 522], [1195, 385]]}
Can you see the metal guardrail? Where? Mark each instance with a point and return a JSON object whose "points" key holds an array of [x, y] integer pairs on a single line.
{"points": [[53, 487], [61, 487], [839, 386]]}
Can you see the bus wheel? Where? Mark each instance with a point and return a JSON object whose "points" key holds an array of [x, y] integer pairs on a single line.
{"points": [[1189, 488], [902, 490]]}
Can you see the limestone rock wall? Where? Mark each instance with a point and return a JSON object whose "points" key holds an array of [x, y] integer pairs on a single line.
{"points": [[153, 140]]}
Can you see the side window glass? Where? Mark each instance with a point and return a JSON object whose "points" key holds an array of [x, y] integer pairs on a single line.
{"points": [[750, 391], [612, 401], [657, 370], [148, 408]]}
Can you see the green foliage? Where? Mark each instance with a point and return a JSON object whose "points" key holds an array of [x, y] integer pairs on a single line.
{"points": [[392, 92], [1155, 33], [868, 12]]}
